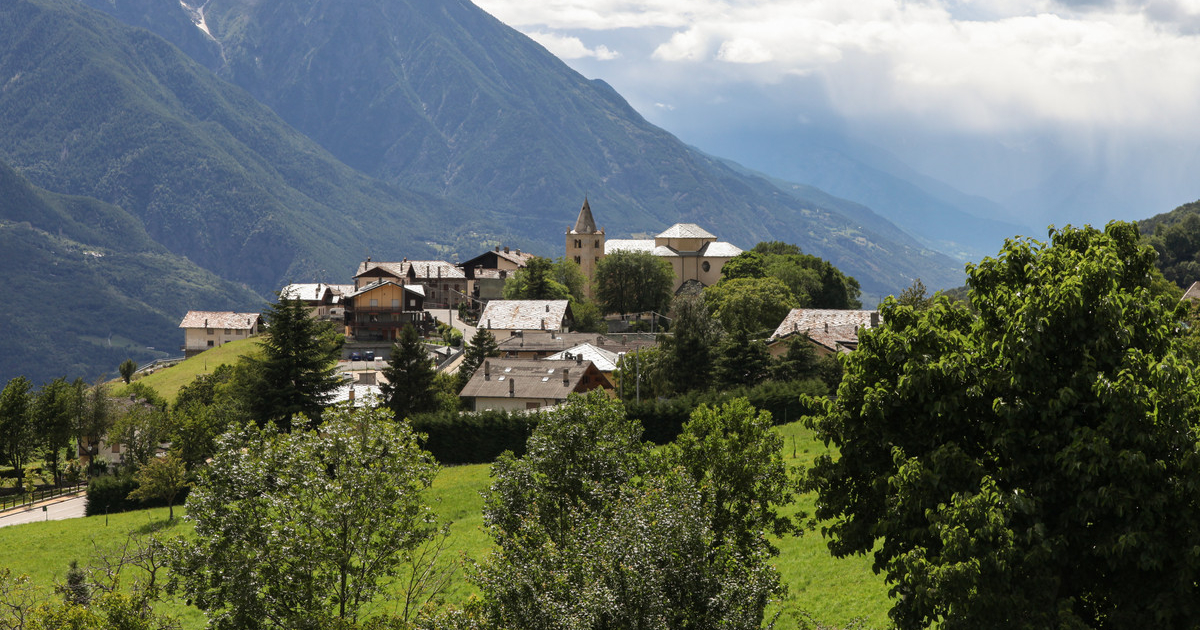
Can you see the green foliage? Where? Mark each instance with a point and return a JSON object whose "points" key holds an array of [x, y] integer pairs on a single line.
{"points": [[454, 437], [633, 282], [686, 356], [109, 494], [127, 368], [482, 346], [296, 372], [798, 363], [568, 273], [162, 478], [915, 296], [753, 306], [140, 430], [590, 531], [1032, 466], [536, 281], [740, 361], [815, 283], [54, 410], [409, 389], [282, 542], [1175, 236], [587, 317], [18, 436]]}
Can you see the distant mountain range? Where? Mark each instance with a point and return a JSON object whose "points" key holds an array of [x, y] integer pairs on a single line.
{"points": [[295, 138]]}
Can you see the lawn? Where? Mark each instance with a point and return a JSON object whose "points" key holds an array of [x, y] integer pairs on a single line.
{"points": [[833, 591], [168, 381]]}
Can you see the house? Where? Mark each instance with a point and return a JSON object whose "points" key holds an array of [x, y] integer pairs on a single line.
{"points": [[445, 285], [520, 315], [542, 344], [325, 300], [379, 310], [490, 270], [828, 330], [696, 256], [520, 384], [209, 329]]}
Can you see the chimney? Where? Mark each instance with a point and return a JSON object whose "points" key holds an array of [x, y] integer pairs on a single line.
{"points": [[518, 252], [511, 387], [497, 248], [351, 398], [547, 308], [487, 370], [566, 377], [826, 326], [543, 323], [506, 249], [579, 359], [874, 319]]}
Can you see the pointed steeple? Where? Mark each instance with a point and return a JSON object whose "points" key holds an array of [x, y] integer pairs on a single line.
{"points": [[585, 224]]}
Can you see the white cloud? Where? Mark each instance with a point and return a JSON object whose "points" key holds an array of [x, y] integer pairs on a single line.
{"points": [[566, 47], [979, 64]]}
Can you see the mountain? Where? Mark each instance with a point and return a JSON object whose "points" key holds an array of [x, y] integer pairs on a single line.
{"points": [[94, 108], [86, 287], [439, 97]]}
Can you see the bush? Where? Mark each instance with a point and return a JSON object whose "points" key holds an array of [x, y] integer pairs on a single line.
{"points": [[110, 494], [664, 419], [474, 438]]}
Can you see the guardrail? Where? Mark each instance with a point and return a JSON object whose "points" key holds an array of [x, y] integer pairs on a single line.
{"points": [[27, 499], [158, 363]]}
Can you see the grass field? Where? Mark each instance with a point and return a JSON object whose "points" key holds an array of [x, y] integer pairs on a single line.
{"points": [[168, 381], [834, 592]]}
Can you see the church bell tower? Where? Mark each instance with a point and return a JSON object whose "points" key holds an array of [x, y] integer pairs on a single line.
{"points": [[585, 243]]}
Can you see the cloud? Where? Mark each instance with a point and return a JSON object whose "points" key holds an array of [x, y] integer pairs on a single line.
{"points": [[566, 47], [979, 64]]}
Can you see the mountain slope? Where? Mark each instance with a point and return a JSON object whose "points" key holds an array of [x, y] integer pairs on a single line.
{"points": [[92, 107], [87, 288], [438, 96]]}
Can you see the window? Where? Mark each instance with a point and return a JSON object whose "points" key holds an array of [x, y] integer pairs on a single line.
{"points": [[116, 448], [210, 343], [228, 331], [412, 303], [577, 260], [597, 260], [597, 245], [705, 266], [374, 302], [396, 303], [578, 243], [209, 331]]}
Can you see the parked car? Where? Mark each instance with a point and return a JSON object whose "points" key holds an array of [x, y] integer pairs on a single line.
{"points": [[369, 355], [354, 356]]}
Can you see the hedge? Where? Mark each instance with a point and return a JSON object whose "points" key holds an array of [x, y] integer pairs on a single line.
{"points": [[109, 494]]}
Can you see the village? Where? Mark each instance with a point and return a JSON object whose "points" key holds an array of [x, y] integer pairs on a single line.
{"points": [[543, 357]]}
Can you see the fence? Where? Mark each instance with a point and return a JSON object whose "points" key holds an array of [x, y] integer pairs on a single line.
{"points": [[29, 498]]}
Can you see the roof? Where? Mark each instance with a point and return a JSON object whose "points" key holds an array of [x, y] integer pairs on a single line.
{"points": [[515, 256], [528, 378], [364, 395], [312, 292], [720, 249], [219, 319], [585, 224], [685, 230], [812, 320], [411, 288], [604, 360], [628, 245], [1193, 292], [523, 314], [421, 269], [546, 341]]}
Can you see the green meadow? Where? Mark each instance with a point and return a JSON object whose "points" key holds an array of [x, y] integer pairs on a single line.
{"points": [[833, 592]]}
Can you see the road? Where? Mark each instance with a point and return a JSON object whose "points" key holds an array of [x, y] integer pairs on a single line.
{"points": [[58, 509]]}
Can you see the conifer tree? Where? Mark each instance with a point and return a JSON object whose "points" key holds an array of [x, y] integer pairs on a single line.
{"points": [[482, 346], [409, 388], [296, 372]]}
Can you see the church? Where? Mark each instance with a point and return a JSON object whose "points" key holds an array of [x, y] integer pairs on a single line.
{"points": [[696, 255]]}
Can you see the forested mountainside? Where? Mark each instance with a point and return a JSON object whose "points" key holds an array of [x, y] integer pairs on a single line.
{"points": [[440, 97], [1175, 235], [87, 288]]}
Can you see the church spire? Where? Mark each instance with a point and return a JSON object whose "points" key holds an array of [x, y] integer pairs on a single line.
{"points": [[585, 224]]}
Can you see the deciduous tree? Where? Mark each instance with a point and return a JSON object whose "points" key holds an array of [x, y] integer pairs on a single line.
{"points": [[18, 438], [54, 413], [754, 306], [633, 282], [536, 281], [161, 478], [303, 530], [1032, 466]]}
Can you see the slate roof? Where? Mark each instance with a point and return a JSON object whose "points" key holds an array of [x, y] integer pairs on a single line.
{"points": [[720, 249], [309, 292], [714, 249], [219, 319], [529, 378], [604, 360], [1193, 293], [412, 288], [523, 315], [628, 245], [539, 341], [810, 319], [685, 230], [585, 224], [423, 269]]}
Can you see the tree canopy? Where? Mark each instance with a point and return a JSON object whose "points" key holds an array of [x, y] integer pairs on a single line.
{"points": [[409, 387], [633, 282], [1034, 466]]}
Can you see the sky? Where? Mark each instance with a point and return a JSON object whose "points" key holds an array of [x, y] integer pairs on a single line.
{"points": [[1087, 109]]}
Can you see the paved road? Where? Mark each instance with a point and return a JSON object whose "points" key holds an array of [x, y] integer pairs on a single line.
{"points": [[58, 509], [448, 316]]}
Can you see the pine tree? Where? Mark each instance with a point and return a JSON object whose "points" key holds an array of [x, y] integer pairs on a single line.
{"points": [[409, 389], [482, 346], [298, 365]]}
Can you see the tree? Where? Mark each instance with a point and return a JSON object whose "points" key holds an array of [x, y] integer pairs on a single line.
{"points": [[915, 296], [303, 530], [127, 368], [54, 414], [296, 372], [18, 439], [141, 429], [568, 273], [535, 281], [741, 361], [686, 355], [1032, 466], [754, 306], [799, 363], [161, 478], [594, 531], [633, 282], [93, 417], [409, 389], [814, 282], [482, 346]]}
